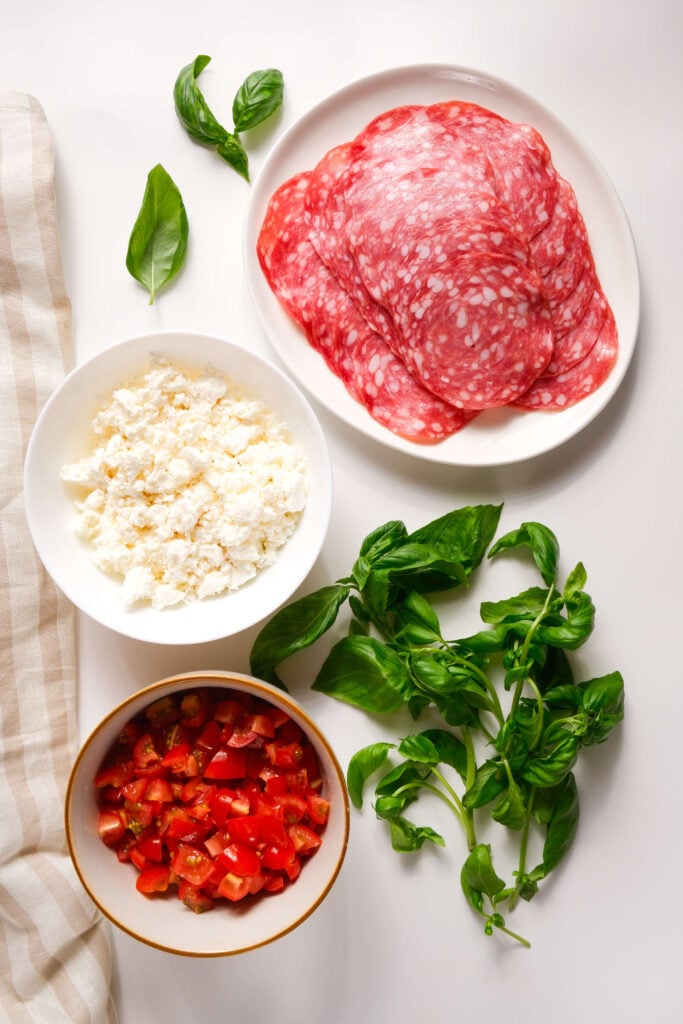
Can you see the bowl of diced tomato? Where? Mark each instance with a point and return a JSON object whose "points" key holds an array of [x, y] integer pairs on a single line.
{"points": [[207, 814]]}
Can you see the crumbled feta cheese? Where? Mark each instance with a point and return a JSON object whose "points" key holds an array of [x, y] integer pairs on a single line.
{"points": [[191, 487]]}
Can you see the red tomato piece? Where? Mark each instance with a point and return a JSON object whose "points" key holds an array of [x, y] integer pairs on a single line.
{"points": [[153, 879], [116, 775], [134, 790], [194, 708], [318, 809], [241, 736], [176, 759], [151, 846], [210, 736], [163, 712], [158, 791], [304, 839], [194, 898], [145, 753], [293, 807], [241, 860], [192, 864], [233, 887], [284, 755], [279, 857], [229, 711], [110, 827], [262, 725], [227, 763]]}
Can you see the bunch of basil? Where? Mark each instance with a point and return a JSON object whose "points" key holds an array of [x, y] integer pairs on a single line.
{"points": [[395, 656]]}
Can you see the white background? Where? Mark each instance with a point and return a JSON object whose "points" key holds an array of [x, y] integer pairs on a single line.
{"points": [[395, 940]]}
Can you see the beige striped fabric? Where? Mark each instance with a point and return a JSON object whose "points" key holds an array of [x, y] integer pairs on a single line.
{"points": [[55, 961]]}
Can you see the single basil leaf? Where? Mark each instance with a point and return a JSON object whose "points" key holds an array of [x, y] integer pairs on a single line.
{"points": [[462, 535], [412, 558], [406, 837], [232, 151], [257, 98], [449, 748], [572, 632], [510, 808], [361, 670], [388, 807], [362, 765], [576, 581], [295, 627], [554, 671], [382, 539], [551, 768], [192, 108], [158, 241], [526, 605], [415, 610], [407, 776], [489, 781], [473, 896], [603, 703], [419, 748], [479, 871], [542, 543], [562, 825], [566, 696]]}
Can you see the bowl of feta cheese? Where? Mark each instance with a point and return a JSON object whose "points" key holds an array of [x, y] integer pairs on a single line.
{"points": [[177, 487]]}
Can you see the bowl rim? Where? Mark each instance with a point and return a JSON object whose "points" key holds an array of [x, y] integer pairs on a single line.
{"points": [[176, 628], [217, 679]]}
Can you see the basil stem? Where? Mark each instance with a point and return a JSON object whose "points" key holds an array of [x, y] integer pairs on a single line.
{"points": [[158, 241]]}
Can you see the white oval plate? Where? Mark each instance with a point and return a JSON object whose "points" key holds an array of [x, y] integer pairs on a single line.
{"points": [[500, 436]]}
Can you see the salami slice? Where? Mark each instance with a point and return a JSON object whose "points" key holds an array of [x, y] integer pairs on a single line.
{"points": [[478, 332], [585, 377], [550, 246], [358, 355], [571, 347]]}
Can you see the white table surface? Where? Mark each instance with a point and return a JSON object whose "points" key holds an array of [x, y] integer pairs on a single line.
{"points": [[395, 940]]}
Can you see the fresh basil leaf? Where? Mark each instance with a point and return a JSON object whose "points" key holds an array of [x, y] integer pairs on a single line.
{"points": [[419, 748], [406, 837], [526, 605], [549, 769], [479, 872], [388, 807], [295, 627], [554, 671], [565, 696], [450, 750], [602, 701], [233, 152], [382, 539], [510, 808], [576, 581], [192, 108], [542, 543], [362, 765], [415, 610], [257, 98], [408, 775], [489, 782], [572, 632], [363, 671], [561, 828], [158, 241], [462, 535]]}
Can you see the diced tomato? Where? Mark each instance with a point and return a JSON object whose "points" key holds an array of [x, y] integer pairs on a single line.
{"points": [[158, 791], [240, 859], [194, 898], [192, 865], [233, 887], [162, 810], [153, 879], [227, 763], [284, 755], [163, 712], [151, 846], [304, 839], [176, 759], [293, 807], [110, 827], [116, 775], [134, 791], [194, 708], [318, 809], [145, 753]]}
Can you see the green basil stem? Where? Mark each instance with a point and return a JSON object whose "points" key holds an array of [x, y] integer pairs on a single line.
{"points": [[496, 708], [451, 800], [512, 935], [539, 703], [525, 648], [523, 843]]}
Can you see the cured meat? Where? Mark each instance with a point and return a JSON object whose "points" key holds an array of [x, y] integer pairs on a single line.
{"points": [[354, 352], [582, 379], [441, 266]]}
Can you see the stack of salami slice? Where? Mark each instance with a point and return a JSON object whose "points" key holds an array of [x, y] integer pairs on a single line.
{"points": [[440, 265]]}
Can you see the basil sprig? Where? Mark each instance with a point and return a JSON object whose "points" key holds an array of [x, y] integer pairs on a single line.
{"points": [[158, 241], [515, 720], [257, 99]]}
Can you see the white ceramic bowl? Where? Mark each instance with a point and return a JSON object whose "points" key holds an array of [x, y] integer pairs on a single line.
{"points": [[166, 923], [61, 436]]}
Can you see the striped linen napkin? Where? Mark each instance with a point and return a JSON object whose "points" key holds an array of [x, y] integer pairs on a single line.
{"points": [[55, 959]]}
